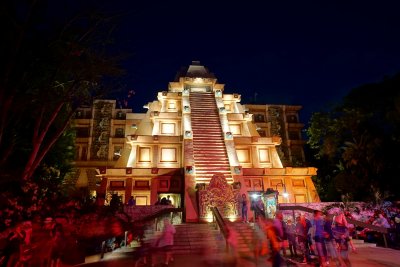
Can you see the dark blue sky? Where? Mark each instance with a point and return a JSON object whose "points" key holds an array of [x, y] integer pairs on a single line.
{"points": [[308, 53]]}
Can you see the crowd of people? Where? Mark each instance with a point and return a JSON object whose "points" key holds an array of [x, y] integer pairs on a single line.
{"points": [[322, 237], [320, 241]]}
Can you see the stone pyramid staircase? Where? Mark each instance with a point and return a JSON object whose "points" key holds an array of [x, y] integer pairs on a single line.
{"points": [[210, 156], [246, 237], [198, 238]]}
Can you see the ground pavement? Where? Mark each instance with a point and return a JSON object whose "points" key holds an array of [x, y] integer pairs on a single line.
{"points": [[364, 257]]}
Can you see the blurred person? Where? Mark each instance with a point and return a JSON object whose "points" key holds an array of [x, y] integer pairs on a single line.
{"points": [[330, 242], [275, 243], [12, 251], [381, 221], [318, 237], [131, 202], [291, 237], [146, 248], [280, 226], [165, 242], [244, 203], [302, 228], [343, 246]]}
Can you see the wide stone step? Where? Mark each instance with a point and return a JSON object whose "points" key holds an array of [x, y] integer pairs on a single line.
{"points": [[204, 148], [216, 121], [204, 103], [207, 128], [201, 134], [204, 133], [204, 127], [203, 118], [205, 159], [207, 151], [204, 115], [202, 166], [207, 180], [211, 163], [210, 173], [211, 153], [220, 168], [203, 140], [211, 158], [213, 144], [195, 112]]}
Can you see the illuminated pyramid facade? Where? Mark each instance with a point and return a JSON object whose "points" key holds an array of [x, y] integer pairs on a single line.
{"points": [[190, 134]]}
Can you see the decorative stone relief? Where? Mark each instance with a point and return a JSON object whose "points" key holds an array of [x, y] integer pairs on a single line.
{"points": [[101, 129], [221, 195]]}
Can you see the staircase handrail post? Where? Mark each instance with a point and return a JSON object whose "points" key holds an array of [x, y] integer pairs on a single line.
{"points": [[103, 247]]}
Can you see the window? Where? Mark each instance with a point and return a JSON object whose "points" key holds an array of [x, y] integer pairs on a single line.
{"points": [[119, 132], [84, 153], [167, 128], [294, 135], [236, 129], [120, 115], [263, 155], [243, 155], [144, 154], [82, 131], [259, 118], [298, 183], [117, 185], [171, 105], [291, 118], [117, 152], [276, 182], [79, 114], [299, 198], [262, 133], [168, 154], [141, 200]]}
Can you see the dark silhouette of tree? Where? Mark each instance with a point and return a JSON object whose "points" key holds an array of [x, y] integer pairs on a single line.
{"points": [[52, 62], [356, 144]]}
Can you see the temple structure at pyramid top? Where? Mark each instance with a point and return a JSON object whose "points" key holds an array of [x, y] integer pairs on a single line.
{"points": [[192, 134]]}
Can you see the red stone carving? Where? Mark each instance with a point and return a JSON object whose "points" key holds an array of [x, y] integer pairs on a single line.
{"points": [[221, 195]]}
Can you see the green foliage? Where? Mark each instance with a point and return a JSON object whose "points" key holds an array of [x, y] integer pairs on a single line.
{"points": [[355, 144]]}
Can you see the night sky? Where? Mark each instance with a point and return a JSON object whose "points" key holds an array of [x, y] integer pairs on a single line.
{"points": [[308, 53]]}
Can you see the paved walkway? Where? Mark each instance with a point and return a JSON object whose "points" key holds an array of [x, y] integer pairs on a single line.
{"points": [[365, 257]]}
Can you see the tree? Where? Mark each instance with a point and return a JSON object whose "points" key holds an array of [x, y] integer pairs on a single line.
{"points": [[51, 65], [355, 144]]}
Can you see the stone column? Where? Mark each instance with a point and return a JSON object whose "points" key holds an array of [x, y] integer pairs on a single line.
{"points": [[128, 189]]}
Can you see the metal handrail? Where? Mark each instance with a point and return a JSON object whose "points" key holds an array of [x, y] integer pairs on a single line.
{"points": [[220, 221]]}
